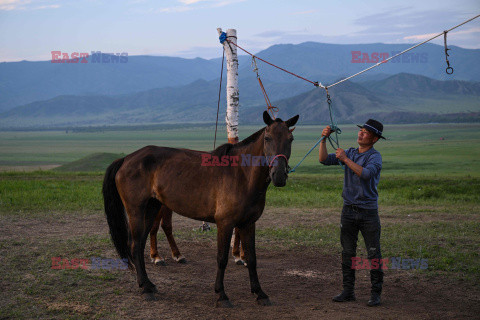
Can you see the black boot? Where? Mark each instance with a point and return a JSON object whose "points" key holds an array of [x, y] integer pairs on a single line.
{"points": [[374, 300], [376, 277], [345, 296], [348, 285]]}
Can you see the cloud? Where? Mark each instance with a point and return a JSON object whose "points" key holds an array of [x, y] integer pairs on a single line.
{"points": [[407, 22], [224, 3], [8, 5], [420, 37], [173, 9], [468, 31], [189, 2], [187, 5], [51, 6], [423, 37], [303, 12]]}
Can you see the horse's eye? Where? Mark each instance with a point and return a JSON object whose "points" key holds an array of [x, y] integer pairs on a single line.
{"points": [[268, 139]]}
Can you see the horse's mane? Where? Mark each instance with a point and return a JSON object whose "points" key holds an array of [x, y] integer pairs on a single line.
{"points": [[226, 148]]}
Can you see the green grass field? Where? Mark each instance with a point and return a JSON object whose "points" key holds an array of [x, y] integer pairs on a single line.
{"points": [[429, 194]]}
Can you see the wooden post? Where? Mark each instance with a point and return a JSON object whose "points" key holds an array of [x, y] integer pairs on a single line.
{"points": [[232, 85], [232, 117]]}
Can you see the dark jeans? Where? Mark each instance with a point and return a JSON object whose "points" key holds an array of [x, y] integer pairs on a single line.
{"points": [[366, 221]]}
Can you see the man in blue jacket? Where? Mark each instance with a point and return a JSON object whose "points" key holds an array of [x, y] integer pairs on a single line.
{"points": [[360, 206]]}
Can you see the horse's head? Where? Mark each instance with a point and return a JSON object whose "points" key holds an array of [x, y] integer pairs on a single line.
{"points": [[277, 147]]}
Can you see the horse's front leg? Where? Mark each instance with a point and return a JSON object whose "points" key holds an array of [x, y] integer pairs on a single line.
{"points": [[224, 236], [247, 234]]}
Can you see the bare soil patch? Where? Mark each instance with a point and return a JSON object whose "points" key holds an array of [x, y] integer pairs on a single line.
{"points": [[300, 281]]}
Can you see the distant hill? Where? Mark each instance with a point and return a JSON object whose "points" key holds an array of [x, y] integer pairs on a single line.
{"points": [[92, 163], [328, 62], [195, 102], [349, 101], [25, 82], [398, 98], [402, 98], [421, 86]]}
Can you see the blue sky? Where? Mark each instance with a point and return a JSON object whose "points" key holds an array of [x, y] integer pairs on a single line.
{"points": [[31, 29]]}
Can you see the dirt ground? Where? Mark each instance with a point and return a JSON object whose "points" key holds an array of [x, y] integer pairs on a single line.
{"points": [[300, 282]]}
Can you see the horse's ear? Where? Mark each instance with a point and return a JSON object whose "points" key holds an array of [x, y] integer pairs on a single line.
{"points": [[266, 118], [291, 122]]}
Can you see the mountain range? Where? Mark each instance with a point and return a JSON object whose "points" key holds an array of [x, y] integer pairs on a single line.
{"points": [[398, 98], [149, 89]]}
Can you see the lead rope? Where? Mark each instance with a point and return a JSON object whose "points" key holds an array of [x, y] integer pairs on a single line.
{"points": [[219, 93], [333, 126], [205, 226]]}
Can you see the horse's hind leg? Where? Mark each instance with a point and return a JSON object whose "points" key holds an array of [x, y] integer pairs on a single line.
{"points": [[237, 250], [141, 220], [153, 239], [166, 214]]}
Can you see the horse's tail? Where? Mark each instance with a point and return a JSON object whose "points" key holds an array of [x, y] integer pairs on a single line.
{"points": [[115, 212]]}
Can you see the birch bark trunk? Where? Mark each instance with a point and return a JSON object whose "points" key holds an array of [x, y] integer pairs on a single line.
{"points": [[232, 85]]}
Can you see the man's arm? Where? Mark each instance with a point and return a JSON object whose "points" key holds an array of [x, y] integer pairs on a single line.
{"points": [[322, 150], [342, 156], [373, 167]]}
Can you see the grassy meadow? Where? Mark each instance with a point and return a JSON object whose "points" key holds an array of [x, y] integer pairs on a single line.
{"points": [[429, 198]]}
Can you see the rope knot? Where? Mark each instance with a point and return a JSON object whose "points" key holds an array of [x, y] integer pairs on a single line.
{"points": [[223, 37]]}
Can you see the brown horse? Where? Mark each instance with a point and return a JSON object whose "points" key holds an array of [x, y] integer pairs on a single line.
{"points": [[136, 186]]}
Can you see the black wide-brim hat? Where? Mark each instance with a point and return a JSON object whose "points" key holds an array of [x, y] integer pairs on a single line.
{"points": [[373, 126]]}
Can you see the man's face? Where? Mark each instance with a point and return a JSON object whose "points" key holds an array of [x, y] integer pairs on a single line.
{"points": [[366, 138]]}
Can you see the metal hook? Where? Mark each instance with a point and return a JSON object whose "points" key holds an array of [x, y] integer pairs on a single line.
{"points": [[254, 66], [449, 69]]}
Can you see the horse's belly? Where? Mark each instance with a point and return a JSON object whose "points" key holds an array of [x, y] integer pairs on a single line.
{"points": [[188, 197]]}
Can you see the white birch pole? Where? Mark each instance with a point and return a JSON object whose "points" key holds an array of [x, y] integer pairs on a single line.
{"points": [[232, 85]]}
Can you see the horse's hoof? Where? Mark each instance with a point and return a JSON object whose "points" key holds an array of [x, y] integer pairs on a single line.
{"points": [[159, 262], [151, 288], [264, 302], [240, 262], [149, 292], [150, 297], [223, 304], [180, 259]]}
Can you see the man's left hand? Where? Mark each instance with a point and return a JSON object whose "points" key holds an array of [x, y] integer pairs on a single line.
{"points": [[341, 155]]}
